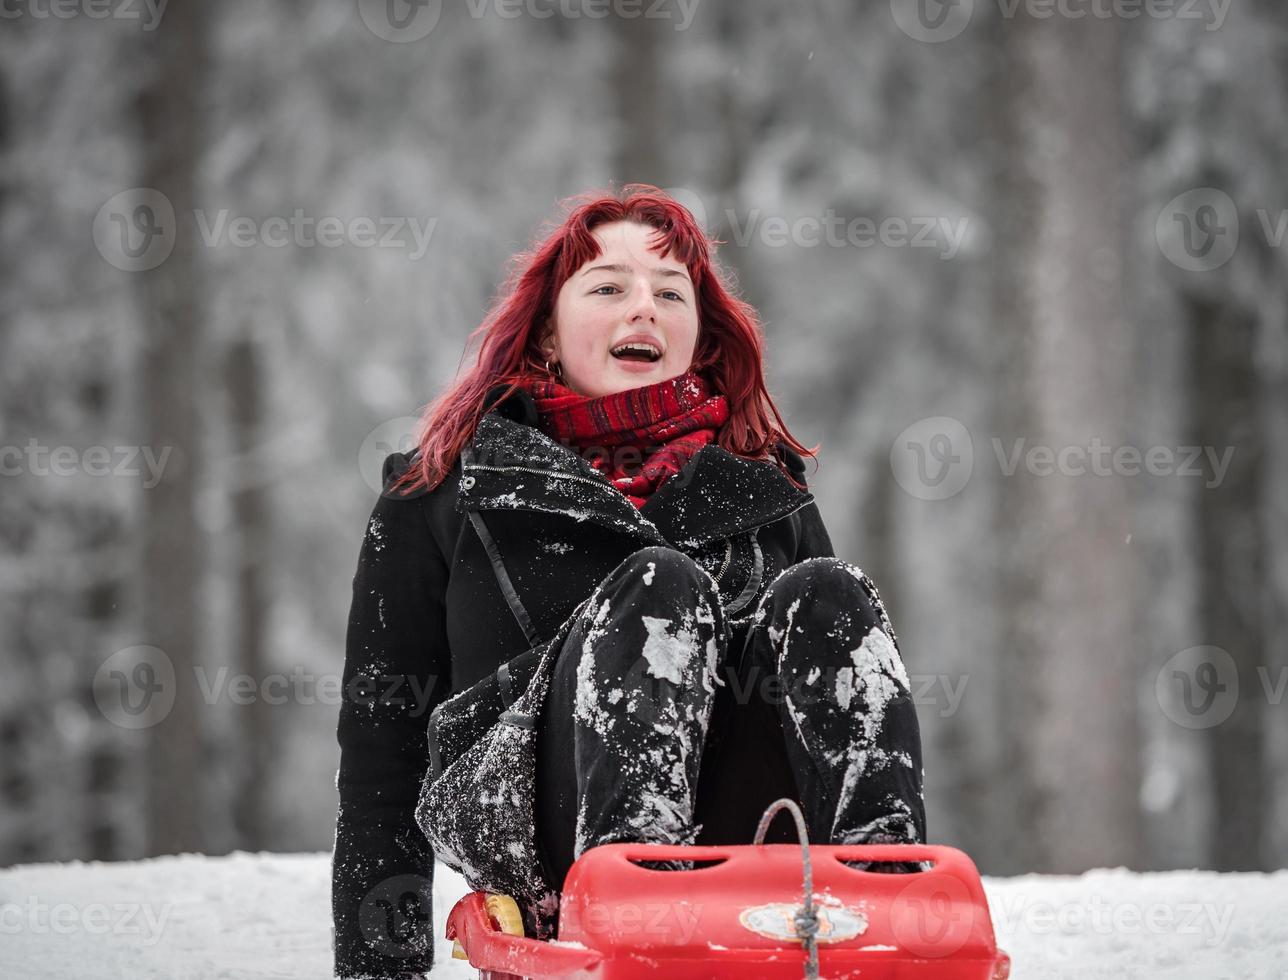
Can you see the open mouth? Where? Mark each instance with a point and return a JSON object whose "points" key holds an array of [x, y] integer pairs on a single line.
{"points": [[637, 352]]}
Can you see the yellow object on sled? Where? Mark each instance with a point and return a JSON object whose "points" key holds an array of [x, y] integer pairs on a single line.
{"points": [[504, 911]]}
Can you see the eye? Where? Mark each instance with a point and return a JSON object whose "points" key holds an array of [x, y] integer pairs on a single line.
{"points": [[672, 294], [597, 289]]}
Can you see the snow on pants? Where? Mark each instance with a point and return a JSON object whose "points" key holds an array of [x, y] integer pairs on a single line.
{"points": [[660, 726]]}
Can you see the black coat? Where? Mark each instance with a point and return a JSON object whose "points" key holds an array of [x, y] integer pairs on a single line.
{"points": [[430, 617]]}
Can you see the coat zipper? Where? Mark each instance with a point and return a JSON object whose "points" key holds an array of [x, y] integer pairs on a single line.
{"points": [[728, 555], [603, 482], [540, 472]]}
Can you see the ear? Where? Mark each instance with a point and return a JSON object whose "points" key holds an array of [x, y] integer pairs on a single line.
{"points": [[546, 339]]}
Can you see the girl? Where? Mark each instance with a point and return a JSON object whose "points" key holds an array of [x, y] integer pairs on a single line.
{"points": [[603, 574]]}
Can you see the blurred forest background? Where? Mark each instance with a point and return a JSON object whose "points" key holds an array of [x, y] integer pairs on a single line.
{"points": [[985, 238]]}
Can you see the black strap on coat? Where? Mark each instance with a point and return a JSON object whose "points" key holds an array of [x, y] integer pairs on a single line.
{"points": [[498, 568], [753, 579]]}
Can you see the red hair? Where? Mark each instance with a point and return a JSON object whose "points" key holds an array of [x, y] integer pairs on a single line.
{"points": [[729, 352]]}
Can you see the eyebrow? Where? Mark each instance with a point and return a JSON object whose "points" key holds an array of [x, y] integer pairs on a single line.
{"points": [[659, 271]]}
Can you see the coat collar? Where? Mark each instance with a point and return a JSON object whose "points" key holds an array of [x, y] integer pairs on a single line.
{"points": [[512, 465]]}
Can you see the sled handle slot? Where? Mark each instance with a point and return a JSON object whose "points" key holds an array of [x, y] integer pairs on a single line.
{"points": [[698, 865], [942, 860]]}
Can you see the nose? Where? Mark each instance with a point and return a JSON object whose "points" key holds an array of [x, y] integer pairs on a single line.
{"points": [[643, 306]]}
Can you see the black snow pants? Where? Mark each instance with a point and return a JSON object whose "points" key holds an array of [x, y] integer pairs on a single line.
{"points": [[666, 724]]}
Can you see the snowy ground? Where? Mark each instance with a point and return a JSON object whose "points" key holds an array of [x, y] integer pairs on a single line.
{"points": [[268, 915]]}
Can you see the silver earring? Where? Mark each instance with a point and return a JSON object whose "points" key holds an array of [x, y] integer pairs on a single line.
{"points": [[557, 372]]}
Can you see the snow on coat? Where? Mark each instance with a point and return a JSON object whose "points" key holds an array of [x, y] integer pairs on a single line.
{"points": [[430, 617]]}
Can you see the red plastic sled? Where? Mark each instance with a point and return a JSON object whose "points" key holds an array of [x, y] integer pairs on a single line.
{"points": [[741, 913]]}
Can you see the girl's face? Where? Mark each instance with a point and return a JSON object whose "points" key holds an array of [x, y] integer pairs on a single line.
{"points": [[625, 294]]}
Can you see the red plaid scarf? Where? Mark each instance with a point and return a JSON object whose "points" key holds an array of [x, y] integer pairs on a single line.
{"points": [[638, 437]]}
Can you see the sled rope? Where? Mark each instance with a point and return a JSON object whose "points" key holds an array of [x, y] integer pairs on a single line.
{"points": [[806, 918]]}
